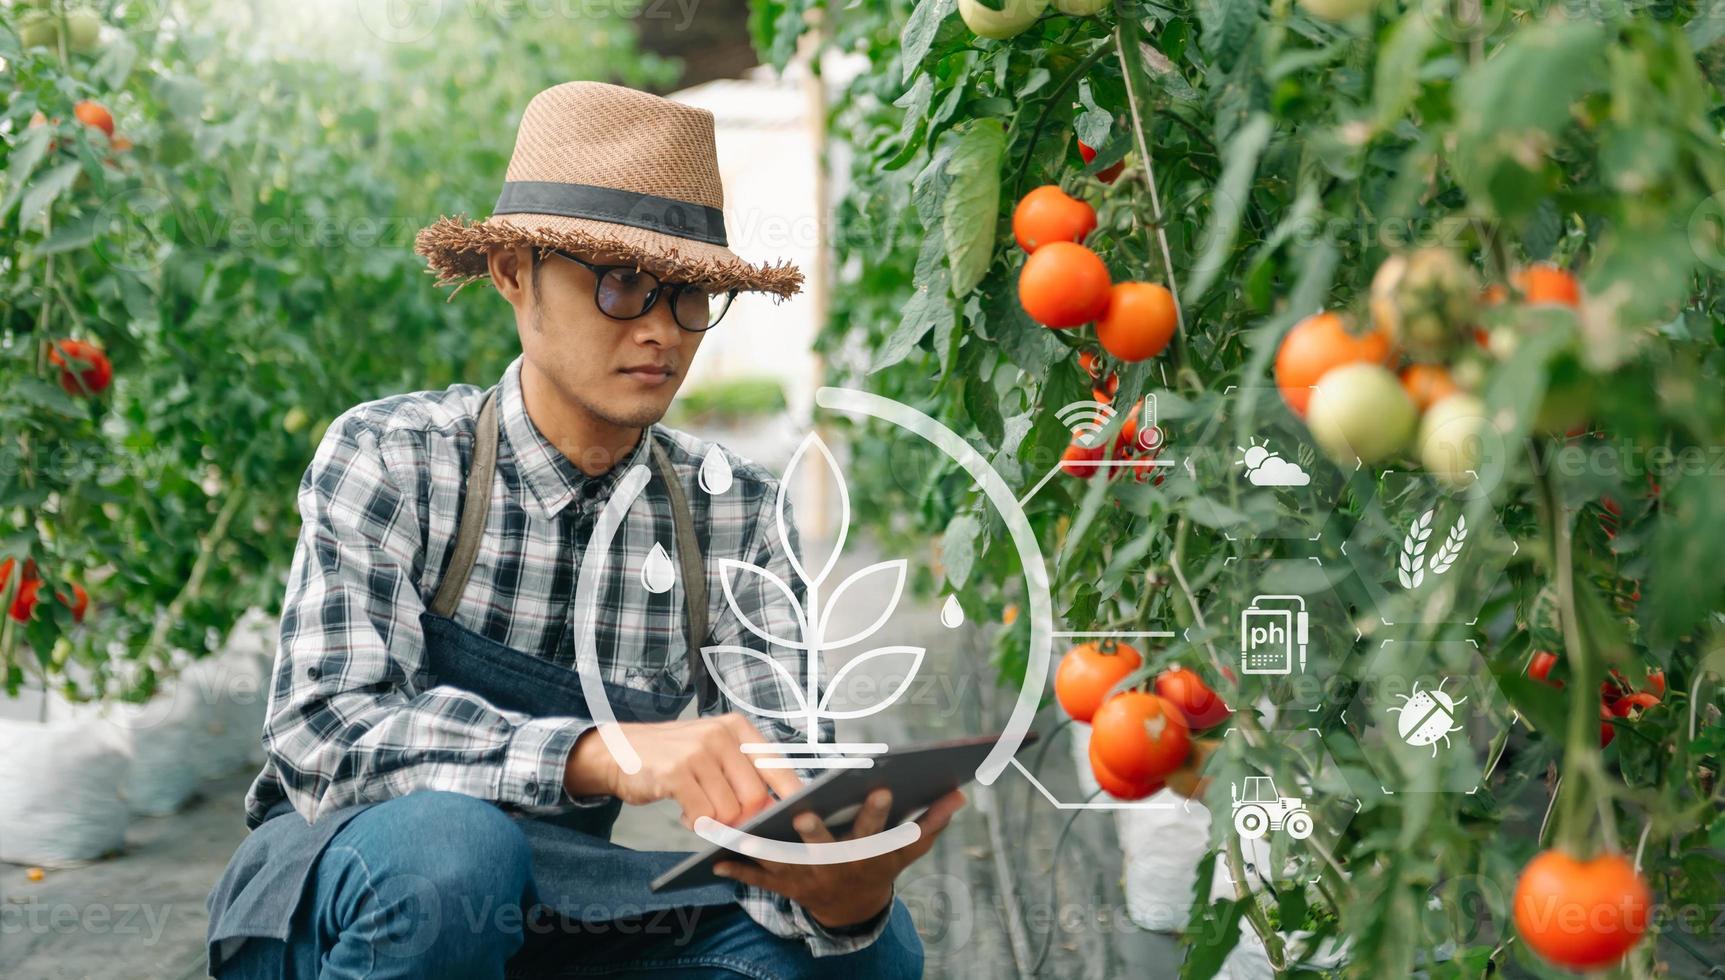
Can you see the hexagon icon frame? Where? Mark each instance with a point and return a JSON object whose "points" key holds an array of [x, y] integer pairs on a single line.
{"points": [[1395, 727], [1260, 472], [1431, 529]]}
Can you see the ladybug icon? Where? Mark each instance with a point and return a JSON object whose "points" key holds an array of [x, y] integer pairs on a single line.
{"points": [[1426, 717]]}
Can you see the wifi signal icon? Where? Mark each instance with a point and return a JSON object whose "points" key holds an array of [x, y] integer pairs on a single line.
{"points": [[1086, 419]]}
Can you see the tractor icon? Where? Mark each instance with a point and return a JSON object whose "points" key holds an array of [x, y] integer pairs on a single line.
{"points": [[1261, 809]]}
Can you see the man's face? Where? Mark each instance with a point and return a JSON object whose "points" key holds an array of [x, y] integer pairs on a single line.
{"points": [[624, 372]]}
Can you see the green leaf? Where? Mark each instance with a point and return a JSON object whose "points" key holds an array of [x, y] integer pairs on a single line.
{"points": [[971, 210], [1399, 63], [46, 190], [29, 153], [958, 548], [928, 306], [1228, 203], [919, 31], [983, 406]]}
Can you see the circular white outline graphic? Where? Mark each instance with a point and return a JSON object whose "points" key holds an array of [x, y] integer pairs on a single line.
{"points": [[1038, 596]]}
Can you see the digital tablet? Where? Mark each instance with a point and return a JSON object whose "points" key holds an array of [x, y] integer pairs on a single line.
{"points": [[917, 776]]}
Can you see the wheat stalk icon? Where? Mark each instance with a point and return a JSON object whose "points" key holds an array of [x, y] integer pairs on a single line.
{"points": [[813, 616], [1411, 565]]}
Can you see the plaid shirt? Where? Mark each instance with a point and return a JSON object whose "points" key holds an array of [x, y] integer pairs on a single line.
{"points": [[378, 507]]}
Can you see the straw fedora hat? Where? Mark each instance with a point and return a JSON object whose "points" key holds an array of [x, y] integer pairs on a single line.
{"points": [[601, 167]]}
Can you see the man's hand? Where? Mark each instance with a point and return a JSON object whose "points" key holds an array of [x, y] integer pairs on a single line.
{"points": [[699, 763], [838, 895]]}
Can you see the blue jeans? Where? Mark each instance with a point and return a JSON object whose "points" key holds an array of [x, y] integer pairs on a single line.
{"points": [[390, 897]]}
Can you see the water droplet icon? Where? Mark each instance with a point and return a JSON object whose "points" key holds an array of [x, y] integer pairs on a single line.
{"points": [[952, 614], [715, 472], [657, 574]]}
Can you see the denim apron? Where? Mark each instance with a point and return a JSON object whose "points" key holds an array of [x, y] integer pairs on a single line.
{"points": [[577, 871]]}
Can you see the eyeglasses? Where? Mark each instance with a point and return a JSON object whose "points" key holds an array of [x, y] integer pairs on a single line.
{"points": [[623, 292]]}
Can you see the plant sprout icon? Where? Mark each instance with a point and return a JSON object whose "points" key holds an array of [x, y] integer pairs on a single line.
{"points": [[814, 622]]}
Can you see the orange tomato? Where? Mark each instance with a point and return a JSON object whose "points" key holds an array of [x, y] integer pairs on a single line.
{"points": [[1428, 384], [1140, 321], [1140, 736], [1088, 672], [1543, 282], [1091, 362], [1202, 707], [1049, 214], [1064, 284], [1317, 344], [1540, 668], [1104, 390], [1113, 785], [95, 114], [1583, 915]]}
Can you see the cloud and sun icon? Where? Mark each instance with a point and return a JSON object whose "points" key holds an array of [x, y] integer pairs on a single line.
{"points": [[1266, 468]]}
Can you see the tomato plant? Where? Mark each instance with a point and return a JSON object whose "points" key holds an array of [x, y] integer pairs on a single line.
{"points": [[1535, 193], [208, 254]]}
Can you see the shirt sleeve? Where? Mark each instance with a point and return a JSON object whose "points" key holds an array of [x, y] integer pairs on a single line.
{"points": [[767, 681], [345, 723]]}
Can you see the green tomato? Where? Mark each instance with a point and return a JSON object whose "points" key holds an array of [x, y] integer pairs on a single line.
{"points": [[1360, 411], [1450, 438], [83, 30], [1081, 8], [295, 419], [1336, 11], [39, 30], [1000, 24]]}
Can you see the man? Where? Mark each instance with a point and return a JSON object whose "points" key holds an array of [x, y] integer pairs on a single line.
{"points": [[436, 800]]}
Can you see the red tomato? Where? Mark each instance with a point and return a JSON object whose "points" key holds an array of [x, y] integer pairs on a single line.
{"points": [[84, 368], [1091, 362], [29, 585], [1049, 214], [1544, 283], [95, 114], [1632, 705], [1540, 668], [1120, 789], [1107, 174], [1607, 731], [1079, 460], [1656, 682], [1139, 322], [1088, 672], [1581, 914], [1064, 284], [79, 603], [1202, 707], [1103, 391], [1140, 736]]}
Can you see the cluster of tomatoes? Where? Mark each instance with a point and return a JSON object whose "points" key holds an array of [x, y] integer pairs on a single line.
{"points": [[28, 595], [1009, 18], [1618, 698], [84, 367], [1064, 285], [1139, 741], [1426, 312]]}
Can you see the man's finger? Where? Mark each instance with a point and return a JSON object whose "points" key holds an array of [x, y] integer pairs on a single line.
{"points": [[747, 783], [716, 784], [811, 829], [689, 795], [746, 873], [940, 812], [871, 819]]}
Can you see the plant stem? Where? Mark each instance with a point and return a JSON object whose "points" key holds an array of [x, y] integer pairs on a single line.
{"points": [[1078, 71], [1122, 19], [200, 567]]}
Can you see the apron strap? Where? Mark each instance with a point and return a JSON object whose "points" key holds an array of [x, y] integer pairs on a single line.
{"points": [[471, 526], [694, 575]]}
